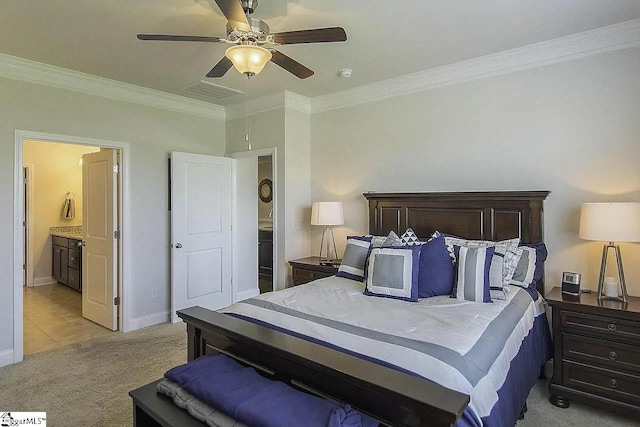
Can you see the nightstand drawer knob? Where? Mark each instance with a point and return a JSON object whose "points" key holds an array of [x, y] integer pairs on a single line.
{"points": [[613, 383], [612, 327], [613, 355]]}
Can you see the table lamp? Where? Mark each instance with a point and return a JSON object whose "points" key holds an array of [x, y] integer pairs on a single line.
{"points": [[327, 213], [610, 222]]}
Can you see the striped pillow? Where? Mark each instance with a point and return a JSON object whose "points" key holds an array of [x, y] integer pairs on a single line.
{"points": [[355, 258], [504, 263], [472, 283], [393, 272], [523, 276]]}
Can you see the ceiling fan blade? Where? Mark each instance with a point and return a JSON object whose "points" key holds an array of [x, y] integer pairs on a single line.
{"points": [[232, 10], [291, 65], [221, 68], [172, 38], [320, 35]]}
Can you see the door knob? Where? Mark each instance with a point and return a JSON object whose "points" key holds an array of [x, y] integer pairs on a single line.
{"points": [[178, 245]]}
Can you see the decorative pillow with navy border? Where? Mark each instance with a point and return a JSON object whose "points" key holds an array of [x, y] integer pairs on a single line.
{"points": [[355, 258], [393, 272]]}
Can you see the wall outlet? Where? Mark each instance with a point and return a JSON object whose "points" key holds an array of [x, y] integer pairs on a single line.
{"points": [[154, 292]]}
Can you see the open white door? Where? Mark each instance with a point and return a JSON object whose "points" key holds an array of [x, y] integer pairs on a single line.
{"points": [[245, 243], [99, 263], [200, 232]]}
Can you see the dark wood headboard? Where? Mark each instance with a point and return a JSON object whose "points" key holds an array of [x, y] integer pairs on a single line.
{"points": [[491, 215]]}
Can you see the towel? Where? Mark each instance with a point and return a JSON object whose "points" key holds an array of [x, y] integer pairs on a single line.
{"points": [[69, 209], [246, 396]]}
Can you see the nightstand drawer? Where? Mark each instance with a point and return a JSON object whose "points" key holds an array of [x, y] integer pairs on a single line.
{"points": [[301, 276], [588, 323], [600, 352], [604, 382]]}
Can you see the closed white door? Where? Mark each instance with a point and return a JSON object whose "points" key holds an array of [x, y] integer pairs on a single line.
{"points": [[200, 232], [99, 263]]}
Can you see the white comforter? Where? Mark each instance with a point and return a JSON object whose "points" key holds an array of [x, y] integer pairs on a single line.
{"points": [[465, 346]]}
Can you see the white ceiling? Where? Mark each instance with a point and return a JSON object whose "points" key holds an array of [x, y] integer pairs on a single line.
{"points": [[385, 38]]}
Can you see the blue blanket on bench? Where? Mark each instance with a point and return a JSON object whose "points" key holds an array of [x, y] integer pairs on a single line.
{"points": [[244, 395]]}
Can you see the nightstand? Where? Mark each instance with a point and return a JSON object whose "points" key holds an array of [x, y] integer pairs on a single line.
{"points": [[308, 269], [596, 357]]}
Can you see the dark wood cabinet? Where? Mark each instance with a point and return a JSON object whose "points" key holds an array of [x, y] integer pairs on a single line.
{"points": [[265, 252], [305, 270], [596, 352], [57, 263], [67, 262]]}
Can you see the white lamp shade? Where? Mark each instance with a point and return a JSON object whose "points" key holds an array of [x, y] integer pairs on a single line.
{"points": [[327, 213], [610, 222], [248, 59]]}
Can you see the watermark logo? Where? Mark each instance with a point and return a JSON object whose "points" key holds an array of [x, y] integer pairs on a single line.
{"points": [[10, 419]]}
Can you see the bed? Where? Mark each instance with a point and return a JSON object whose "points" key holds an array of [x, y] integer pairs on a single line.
{"points": [[396, 368]]}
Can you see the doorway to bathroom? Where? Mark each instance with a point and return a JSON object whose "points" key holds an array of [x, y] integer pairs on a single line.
{"points": [[71, 246]]}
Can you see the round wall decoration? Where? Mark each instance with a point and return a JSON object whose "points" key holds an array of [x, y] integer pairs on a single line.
{"points": [[265, 191]]}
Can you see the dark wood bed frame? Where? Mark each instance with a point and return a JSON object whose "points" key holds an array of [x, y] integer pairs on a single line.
{"points": [[393, 397]]}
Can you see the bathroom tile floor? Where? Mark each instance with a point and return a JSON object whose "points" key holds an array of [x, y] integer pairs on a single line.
{"points": [[53, 318]]}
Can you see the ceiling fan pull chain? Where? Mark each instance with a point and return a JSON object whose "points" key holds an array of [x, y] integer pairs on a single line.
{"points": [[246, 111]]}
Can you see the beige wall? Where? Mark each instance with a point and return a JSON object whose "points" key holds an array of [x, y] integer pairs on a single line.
{"points": [[572, 128], [56, 171], [152, 134], [288, 131]]}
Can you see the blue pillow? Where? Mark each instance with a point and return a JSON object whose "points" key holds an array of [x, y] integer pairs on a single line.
{"points": [[472, 274], [393, 272], [437, 268], [541, 257], [355, 258]]}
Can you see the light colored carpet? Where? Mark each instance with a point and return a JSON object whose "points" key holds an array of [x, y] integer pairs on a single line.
{"points": [[541, 413], [87, 384]]}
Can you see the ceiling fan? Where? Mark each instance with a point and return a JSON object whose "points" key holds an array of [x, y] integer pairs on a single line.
{"points": [[254, 44]]}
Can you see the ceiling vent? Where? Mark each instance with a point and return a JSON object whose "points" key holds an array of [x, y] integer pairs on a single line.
{"points": [[210, 92]]}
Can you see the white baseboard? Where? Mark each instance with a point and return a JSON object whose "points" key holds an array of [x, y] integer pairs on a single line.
{"points": [[6, 357], [150, 320], [40, 281], [246, 294]]}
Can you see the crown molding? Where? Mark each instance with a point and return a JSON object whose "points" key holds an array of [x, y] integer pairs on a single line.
{"points": [[588, 43], [286, 99], [15, 68], [294, 101]]}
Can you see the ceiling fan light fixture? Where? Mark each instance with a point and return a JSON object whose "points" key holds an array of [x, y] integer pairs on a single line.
{"points": [[248, 59]]}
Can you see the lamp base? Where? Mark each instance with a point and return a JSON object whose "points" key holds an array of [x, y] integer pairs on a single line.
{"points": [[603, 267], [327, 247]]}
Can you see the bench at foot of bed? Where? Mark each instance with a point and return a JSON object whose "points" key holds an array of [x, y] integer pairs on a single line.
{"points": [[151, 409]]}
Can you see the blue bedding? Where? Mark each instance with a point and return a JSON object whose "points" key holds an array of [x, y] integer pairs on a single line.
{"points": [[249, 398], [293, 312]]}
